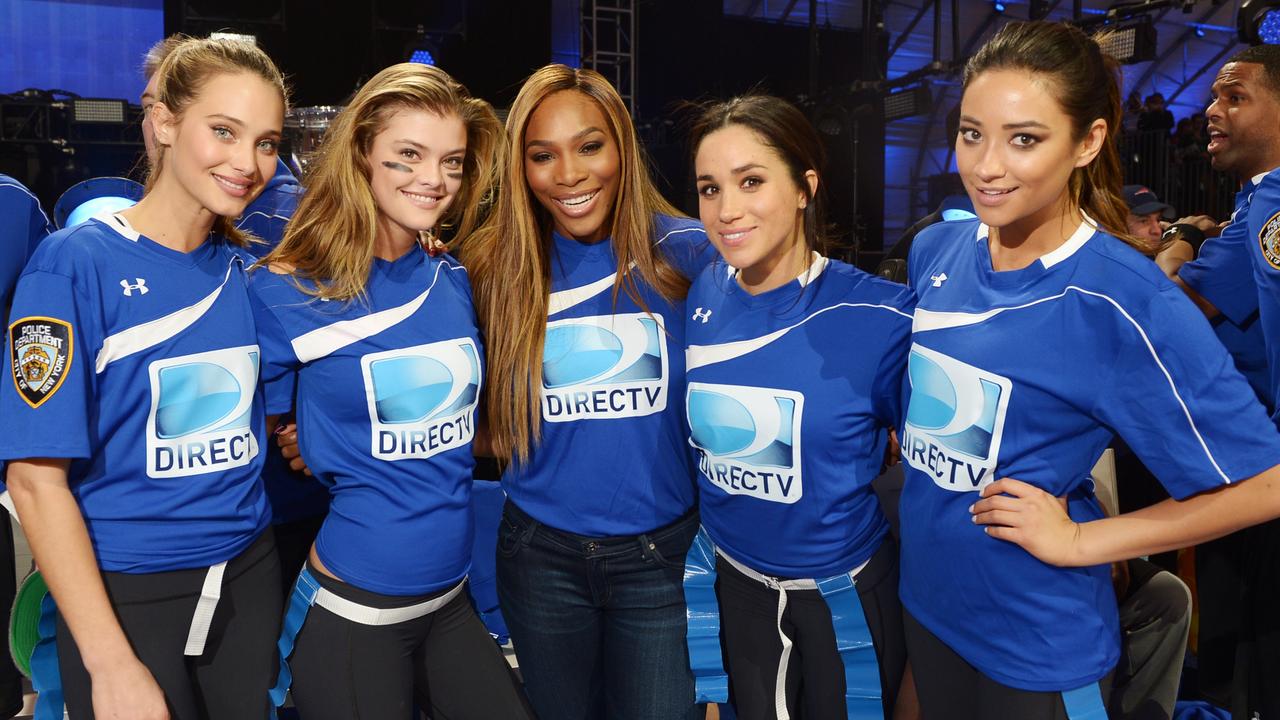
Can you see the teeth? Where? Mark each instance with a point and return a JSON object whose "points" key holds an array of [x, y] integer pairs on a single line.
{"points": [[996, 192], [229, 184], [733, 235], [571, 202]]}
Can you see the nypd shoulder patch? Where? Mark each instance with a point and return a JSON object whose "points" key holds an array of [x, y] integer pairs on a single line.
{"points": [[42, 349], [1269, 241]]}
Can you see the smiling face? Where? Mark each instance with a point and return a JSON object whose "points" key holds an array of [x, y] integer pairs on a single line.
{"points": [[415, 170], [752, 209], [572, 164], [1016, 153], [222, 150], [1244, 121]]}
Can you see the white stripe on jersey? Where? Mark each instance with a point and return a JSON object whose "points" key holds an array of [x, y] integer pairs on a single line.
{"points": [[1088, 226], [926, 320], [240, 223], [697, 356], [328, 339], [149, 334], [562, 300]]}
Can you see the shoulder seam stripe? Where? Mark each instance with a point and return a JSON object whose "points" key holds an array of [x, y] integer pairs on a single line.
{"points": [[927, 320], [29, 194]]}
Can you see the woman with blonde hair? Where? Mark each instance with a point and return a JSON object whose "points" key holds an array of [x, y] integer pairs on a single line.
{"points": [[134, 421], [580, 275], [370, 337]]}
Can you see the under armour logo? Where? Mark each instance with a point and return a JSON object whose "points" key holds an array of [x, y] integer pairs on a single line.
{"points": [[938, 279], [140, 285], [703, 315]]}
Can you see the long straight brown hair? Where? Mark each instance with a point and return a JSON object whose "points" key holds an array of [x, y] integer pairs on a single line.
{"points": [[330, 239], [509, 258], [1085, 82]]}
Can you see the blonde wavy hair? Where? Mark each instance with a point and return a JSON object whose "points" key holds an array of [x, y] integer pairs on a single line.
{"points": [[188, 65], [330, 239], [509, 258]]}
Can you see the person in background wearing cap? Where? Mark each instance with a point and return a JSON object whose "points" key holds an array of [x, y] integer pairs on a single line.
{"points": [[1145, 210]]}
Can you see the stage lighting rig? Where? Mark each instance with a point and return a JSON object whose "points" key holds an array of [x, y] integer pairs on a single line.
{"points": [[1132, 41], [1258, 22]]}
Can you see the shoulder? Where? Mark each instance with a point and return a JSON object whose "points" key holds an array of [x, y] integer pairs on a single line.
{"points": [[449, 270], [1122, 269], [677, 231], [77, 250], [862, 289], [14, 192], [944, 237], [711, 279]]}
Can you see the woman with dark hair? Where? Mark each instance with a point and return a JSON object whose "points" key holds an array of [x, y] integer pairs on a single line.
{"points": [[1041, 329], [579, 276], [795, 365]]}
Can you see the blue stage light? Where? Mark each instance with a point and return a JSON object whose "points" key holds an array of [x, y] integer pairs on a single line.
{"points": [[1269, 29], [999, 6], [422, 56], [93, 197]]}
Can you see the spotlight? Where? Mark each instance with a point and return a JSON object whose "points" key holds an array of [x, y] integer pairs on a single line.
{"points": [[999, 6], [908, 103], [423, 49], [423, 57], [1258, 22], [957, 207], [1199, 32], [1131, 42], [87, 199]]}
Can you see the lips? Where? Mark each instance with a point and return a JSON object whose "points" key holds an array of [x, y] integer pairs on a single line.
{"points": [[577, 205], [233, 187], [422, 200], [1217, 139], [992, 196], [735, 237]]}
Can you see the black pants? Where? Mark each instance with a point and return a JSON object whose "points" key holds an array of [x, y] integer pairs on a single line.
{"points": [[814, 685], [445, 661], [951, 689], [231, 679], [10, 678]]}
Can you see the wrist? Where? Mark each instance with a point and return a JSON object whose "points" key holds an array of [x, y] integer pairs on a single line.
{"points": [[1187, 233], [108, 657]]}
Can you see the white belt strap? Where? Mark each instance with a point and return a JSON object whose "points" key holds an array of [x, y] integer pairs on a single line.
{"points": [[203, 617], [365, 615], [6, 502]]}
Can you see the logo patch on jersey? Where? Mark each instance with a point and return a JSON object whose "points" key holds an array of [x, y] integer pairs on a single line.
{"points": [[41, 351], [955, 420], [749, 439], [422, 400], [1269, 241], [607, 366], [201, 412]]}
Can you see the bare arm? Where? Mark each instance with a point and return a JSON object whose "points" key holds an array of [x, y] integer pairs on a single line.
{"points": [[51, 519], [1035, 520]]}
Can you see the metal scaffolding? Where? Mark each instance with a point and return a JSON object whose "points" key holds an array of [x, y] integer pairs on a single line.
{"points": [[609, 43]]}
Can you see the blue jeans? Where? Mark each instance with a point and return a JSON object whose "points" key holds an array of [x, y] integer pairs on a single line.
{"points": [[598, 624]]}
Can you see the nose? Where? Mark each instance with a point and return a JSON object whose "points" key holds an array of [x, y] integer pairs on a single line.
{"points": [[570, 171], [987, 165], [431, 175], [244, 158], [730, 207], [1213, 111]]}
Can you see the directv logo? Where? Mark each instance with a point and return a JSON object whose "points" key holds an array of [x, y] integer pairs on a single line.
{"points": [[607, 366], [955, 420], [748, 438], [201, 408], [422, 400]]}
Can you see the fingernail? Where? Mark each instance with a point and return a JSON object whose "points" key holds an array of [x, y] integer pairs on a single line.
{"points": [[280, 429], [974, 518], [971, 509]]}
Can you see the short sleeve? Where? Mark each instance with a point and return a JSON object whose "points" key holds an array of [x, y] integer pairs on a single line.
{"points": [[1176, 398], [1223, 273], [687, 247], [48, 404], [888, 396], [24, 226], [279, 363]]}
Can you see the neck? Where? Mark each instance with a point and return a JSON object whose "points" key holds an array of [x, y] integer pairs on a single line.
{"points": [[764, 276], [170, 217], [1018, 244], [393, 241]]}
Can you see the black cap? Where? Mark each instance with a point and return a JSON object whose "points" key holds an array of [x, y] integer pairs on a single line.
{"points": [[1142, 201]]}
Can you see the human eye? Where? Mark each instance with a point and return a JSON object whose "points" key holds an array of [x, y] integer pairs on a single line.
{"points": [[1024, 140], [751, 182], [707, 191], [540, 157], [409, 153], [269, 146], [591, 148], [970, 135], [222, 132], [453, 162]]}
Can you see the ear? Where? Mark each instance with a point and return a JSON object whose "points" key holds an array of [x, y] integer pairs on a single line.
{"points": [[163, 123], [810, 177], [1094, 139]]}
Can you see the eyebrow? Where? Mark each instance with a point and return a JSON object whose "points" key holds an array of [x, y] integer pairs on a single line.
{"points": [[1007, 126], [420, 146], [578, 136], [736, 171]]}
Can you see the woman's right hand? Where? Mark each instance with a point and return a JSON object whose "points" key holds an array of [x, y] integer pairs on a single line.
{"points": [[287, 439], [127, 691]]}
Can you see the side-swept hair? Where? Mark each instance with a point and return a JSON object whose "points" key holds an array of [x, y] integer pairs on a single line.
{"points": [[184, 72], [330, 240], [1085, 82], [509, 259]]}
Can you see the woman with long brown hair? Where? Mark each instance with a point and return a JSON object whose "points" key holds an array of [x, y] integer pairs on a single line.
{"points": [[579, 277]]}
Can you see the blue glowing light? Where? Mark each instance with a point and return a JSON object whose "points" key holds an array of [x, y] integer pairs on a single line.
{"points": [[423, 57], [999, 6], [1269, 28], [98, 206]]}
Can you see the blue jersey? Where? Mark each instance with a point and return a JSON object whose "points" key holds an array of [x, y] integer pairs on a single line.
{"points": [[1223, 274], [386, 394], [140, 363], [24, 225], [293, 495], [791, 394], [268, 214], [1025, 374], [613, 457]]}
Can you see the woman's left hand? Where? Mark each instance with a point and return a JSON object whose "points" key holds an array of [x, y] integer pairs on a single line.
{"points": [[1029, 517]]}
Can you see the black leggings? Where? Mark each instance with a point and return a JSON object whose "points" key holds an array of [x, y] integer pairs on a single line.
{"points": [[445, 661], [231, 679], [815, 680]]}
